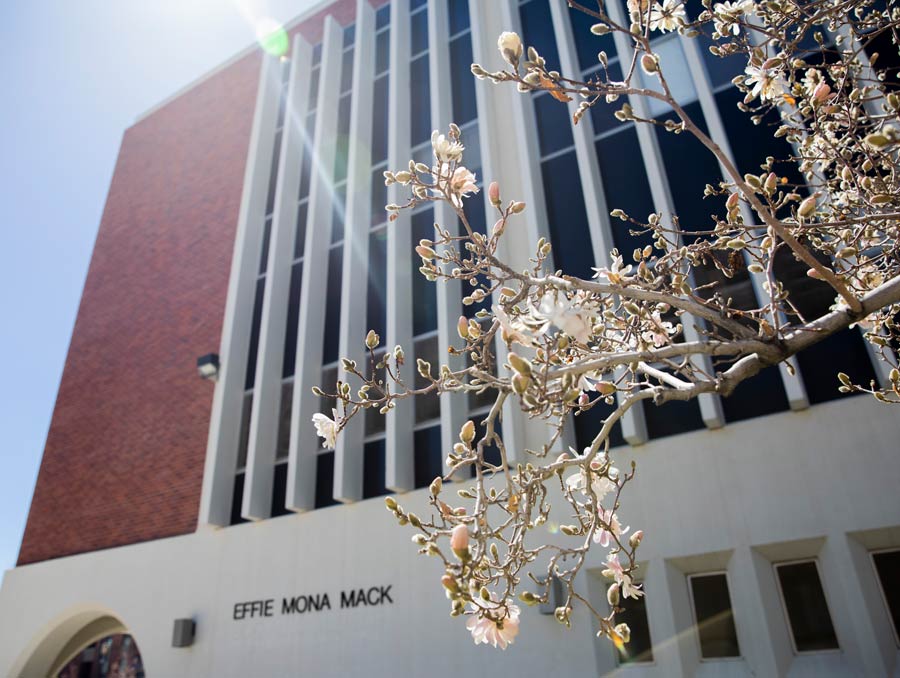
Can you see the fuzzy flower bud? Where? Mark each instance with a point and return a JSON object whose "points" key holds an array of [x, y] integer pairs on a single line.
{"points": [[459, 541], [635, 539], [510, 46], [372, 340], [494, 193], [467, 432], [612, 595], [807, 207], [462, 327]]}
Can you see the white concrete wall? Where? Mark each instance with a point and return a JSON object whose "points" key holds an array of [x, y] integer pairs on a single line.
{"points": [[820, 483]]}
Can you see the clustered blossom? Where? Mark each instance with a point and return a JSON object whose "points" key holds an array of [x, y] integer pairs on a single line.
{"points": [[667, 16], [487, 629], [766, 81], [327, 428]]}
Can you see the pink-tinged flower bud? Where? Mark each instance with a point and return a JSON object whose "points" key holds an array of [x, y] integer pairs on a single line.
{"points": [[459, 541], [635, 539], [813, 273], [822, 92], [494, 193], [605, 388], [732, 201], [807, 207], [498, 228]]}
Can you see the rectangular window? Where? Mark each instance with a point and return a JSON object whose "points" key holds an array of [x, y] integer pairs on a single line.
{"points": [[887, 566], [640, 647], [806, 607], [713, 617]]}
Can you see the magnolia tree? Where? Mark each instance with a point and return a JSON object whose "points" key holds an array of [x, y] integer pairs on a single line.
{"points": [[619, 337]]}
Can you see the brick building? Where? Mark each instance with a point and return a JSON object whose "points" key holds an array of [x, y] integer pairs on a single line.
{"points": [[245, 219]]}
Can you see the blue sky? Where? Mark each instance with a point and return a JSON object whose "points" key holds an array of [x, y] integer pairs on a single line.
{"points": [[74, 76]]}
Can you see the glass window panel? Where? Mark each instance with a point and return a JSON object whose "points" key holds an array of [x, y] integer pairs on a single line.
{"points": [[424, 291], [325, 480], [586, 43], [338, 213], [374, 469], [349, 35], [376, 304], [254, 333], [625, 186], [427, 407], [244, 435], [383, 16], [720, 69], [382, 52], [672, 418], [264, 255], [820, 363], [374, 422], [379, 196], [333, 307], [380, 120], [328, 385], [537, 31], [714, 617], [282, 106], [589, 422], [806, 608], [317, 54], [284, 420], [418, 32], [553, 124], [677, 74], [347, 71], [300, 232], [472, 155], [342, 142], [293, 315], [603, 115], [428, 455], [314, 87], [475, 214], [420, 104], [756, 397], [640, 647], [887, 565], [279, 491], [462, 82], [237, 497], [414, 4], [273, 174], [569, 233], [459, 15]]}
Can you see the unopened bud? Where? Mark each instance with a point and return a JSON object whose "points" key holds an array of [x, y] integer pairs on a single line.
{"points": [[612, 595], [494, 193], [520, 383], [391, 503], [450, 583], [635, 539], [467, 432], [459, 541], [436, 485], [519, 364], [648, 63], [624, 632], [517, 207], [372, 340], [605, 388], [462, 327], [807, 207]]}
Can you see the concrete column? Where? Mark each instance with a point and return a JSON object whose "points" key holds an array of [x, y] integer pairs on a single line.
{"points": [[224, 425], [304, 445], [263, 440], [348, 458]]}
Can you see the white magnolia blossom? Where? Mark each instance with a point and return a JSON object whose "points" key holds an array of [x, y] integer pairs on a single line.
{"points": [[462, 184], [767, 83], [601, 485], [499, 633], [667, 16], [510, 46], [614, 570], [658, 330], [565, 313], [728, 14], [446, 150], [602, 535], [615, 273], [512, 331], [327, 429]]}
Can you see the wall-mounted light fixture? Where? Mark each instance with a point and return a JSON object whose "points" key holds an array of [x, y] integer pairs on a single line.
{"points": [[208, 366], [183, 633]]}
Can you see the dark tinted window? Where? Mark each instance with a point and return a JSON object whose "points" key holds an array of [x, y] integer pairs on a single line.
{"points": [[424, 291], [342, 143], [380, 121], [279, 490], [586, 43], [553, 124], [625, 186], [338, 213], [333, 307], [462, 82], [379, 196], [603, 115], [639, 648], [293, 315], [347, 71], [284, 420], [715, 620], [806, 607], [569, 233], [254, 333], [300, 232], [537, 30], [420, 104], [382, 51], [264, 255], [373, 469], [589, 423], [755, 397], [428, 406], [383, 16], [459, 15], [672, 418], [376, 302], [237, 497], [418, 35], [273, 175], [325, 480], [314, 87], [428, 455], [317, 53], [887, 565], [820, 364], [349, 35]]}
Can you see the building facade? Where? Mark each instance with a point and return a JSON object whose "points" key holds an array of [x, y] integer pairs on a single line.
{"points": [[245, 218]]}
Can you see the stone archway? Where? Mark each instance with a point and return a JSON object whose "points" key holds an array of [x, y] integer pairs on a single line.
{"points": [[65, 639]]}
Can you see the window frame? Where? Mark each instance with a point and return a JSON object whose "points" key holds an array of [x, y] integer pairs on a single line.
{"points": [[787, 619], [887, 608], [696, 624]]}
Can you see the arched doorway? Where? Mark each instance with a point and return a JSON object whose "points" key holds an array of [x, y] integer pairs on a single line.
{"points": [[115, 656]]}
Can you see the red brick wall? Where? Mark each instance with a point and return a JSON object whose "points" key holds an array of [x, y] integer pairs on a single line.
{"points": [[126, 447]]}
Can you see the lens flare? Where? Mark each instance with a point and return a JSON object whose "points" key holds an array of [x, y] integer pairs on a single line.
{"points": [[272, 37]]}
